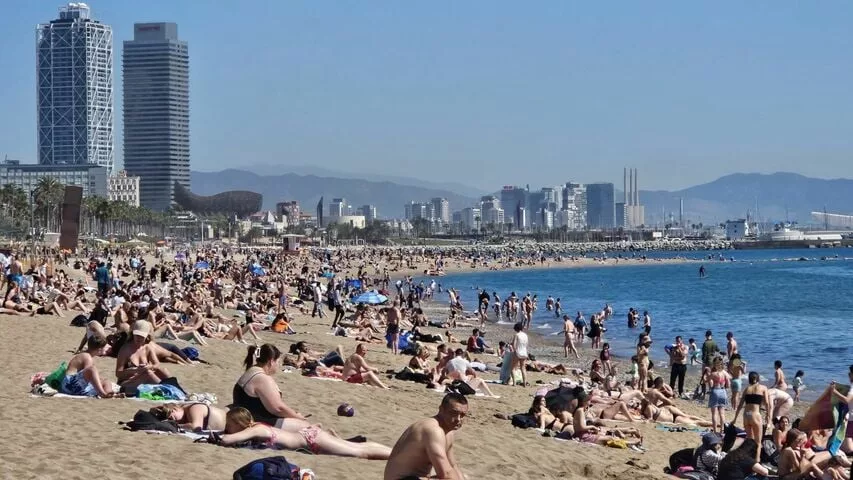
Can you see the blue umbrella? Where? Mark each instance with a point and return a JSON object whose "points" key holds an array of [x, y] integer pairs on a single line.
{"points": [[370, 298], [202, 265], [257, 270]]}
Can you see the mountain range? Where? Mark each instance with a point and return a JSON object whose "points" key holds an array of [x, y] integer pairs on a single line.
{"points": [[777, 197]]}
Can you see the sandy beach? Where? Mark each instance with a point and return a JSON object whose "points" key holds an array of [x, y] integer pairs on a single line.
{"points": [[80, 438]]}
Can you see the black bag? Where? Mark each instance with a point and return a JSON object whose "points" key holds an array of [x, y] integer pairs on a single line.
{"points": [[523, 420], [270, 468], [80, 321], [681, 458], [458, 386], [145, 420], [695, 475]]}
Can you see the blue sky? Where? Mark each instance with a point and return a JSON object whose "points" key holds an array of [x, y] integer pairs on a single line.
{"points": [[488, 92]]}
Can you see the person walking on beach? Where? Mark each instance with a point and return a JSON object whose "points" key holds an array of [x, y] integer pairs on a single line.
{"points": [[643, 361], [569, 337], [731, 345], [427, 445], [519, 348], [318, 302], [678, 365], [718, 383], [580, 326]]}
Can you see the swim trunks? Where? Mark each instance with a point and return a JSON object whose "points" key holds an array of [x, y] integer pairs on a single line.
{"points": [[355, 378], [588, 437], [77, 385]]}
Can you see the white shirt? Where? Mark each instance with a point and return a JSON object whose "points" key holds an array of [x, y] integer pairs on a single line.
{"points": [[458, 365], [519, 344]]}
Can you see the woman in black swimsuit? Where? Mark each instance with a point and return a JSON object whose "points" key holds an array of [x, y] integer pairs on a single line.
{"points": [[257, 391], [194, 416]]}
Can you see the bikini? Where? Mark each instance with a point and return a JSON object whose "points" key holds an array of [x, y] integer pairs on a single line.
{"points": [[752, 399]]}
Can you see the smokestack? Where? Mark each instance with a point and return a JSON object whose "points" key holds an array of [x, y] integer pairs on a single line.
{"points": [[681, 211], [630, 186], [636, 189], [625, 184]]}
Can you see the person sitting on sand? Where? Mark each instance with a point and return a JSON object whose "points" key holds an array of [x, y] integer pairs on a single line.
{"points": [[82, 377], [427, 445], [741, 463], [591, 433], [544, 419], [13, 300], [796, 461], [137, 361], [257, 391], [192, 416], [356, 369], [670, 414], [459, 368], [240, 427]]}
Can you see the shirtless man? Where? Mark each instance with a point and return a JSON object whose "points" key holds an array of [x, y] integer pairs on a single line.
{"points": [[16, 272], [356, 369], [731, 345], [569, 332], [427, 445]]}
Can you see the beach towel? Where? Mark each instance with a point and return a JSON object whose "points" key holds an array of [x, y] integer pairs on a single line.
{"points": [[162, 391], [822, 414], [839, 431]]}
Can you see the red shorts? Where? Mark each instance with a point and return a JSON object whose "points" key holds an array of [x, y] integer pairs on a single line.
{"points": [[355, 378]]}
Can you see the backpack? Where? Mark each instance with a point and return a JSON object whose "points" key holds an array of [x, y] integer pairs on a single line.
{"points": [[270, 468], [191, 353], [523, 420], [145, 420]]}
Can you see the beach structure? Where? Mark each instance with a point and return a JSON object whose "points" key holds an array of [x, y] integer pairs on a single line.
{"points": [[155, 70]]}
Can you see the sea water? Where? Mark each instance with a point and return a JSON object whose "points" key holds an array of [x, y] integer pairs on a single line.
{"points": [[789, 305]]}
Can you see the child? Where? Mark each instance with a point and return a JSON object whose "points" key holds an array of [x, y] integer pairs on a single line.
{"points": [[605, 358], [635, 371], [702, 388], [693, 351], [798, 384]]}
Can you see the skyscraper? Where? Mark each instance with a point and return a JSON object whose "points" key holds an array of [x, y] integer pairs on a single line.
{"points": [[441, 207], [600, 209], [74, 75], [155, 70]]}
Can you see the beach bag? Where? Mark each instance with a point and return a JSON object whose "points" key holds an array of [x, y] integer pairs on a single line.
{"points": [[270, 468], [79, 321], [191, 353], [680, 459], [145, 420], [769, 452], [523, 420], [694, 475], [460, 387], [54, 380]]}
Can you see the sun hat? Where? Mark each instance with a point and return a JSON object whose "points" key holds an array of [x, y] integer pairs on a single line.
{"points": [[141, 328]]}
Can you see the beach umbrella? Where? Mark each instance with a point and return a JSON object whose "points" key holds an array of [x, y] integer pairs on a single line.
{"points": [[370, 298], [202, 265], [257, 270], [180, 257]]}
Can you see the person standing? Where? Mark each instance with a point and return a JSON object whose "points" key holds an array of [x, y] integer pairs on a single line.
{"points": [[318, 301], [647, 322], [569, 340], [709, 349], [102, 276], [519, 348], [678, 365], [731, 345]]}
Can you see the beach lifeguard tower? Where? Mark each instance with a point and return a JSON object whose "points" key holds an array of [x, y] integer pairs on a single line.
{"points": [[292, 243]]}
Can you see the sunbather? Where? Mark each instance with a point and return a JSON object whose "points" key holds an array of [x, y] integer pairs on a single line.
{"points": [[82, 376]]}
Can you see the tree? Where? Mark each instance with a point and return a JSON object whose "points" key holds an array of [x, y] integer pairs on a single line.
{"points": [[48, 195]]}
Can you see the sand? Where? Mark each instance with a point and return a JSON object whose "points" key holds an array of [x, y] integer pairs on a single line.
{"points": [[80, 438]]}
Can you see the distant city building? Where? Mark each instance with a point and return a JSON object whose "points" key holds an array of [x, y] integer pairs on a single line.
{"points": [[74, 85], [290, 210], [471, 219], [600, 208], [92, 178], [441, 209], [355, 221], [515, 200], [575, 202], [368, 211], [155, 70], [629, 213], [489, 208], [737, 229], [338, 207], [123, 188], [413, 210]]}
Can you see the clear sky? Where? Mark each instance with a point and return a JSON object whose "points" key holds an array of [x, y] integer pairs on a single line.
{"points": [[490, 92]]}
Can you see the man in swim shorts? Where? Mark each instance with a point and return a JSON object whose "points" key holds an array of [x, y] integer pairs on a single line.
{"points": [[427, 444], [356, 369]]}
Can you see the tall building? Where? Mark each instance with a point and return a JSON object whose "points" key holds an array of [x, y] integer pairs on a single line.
{"points": [[92, 178], [369, 212], [441, 209], [515, 203], [123, 188], [290, 210], [74, 75], [155, 69], [338, 207], [600, 208]]}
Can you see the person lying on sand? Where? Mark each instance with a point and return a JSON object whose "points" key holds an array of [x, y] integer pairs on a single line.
{"points": [[427, 445], [240, 427], [357, 370], [192, 416], [670, 414]]}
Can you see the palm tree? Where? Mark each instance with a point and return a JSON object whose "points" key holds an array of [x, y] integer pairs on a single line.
{"points": [[48, 195]]}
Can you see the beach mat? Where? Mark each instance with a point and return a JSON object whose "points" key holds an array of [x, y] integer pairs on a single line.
{"points": [[822, 414]]}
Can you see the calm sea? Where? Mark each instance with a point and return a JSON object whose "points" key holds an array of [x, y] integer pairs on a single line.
{"points": [[778, 306]]}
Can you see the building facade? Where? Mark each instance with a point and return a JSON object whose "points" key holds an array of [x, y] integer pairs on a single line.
{"points": [[123, 188], [155, 70], [600, 206], [441, 209], [92, 178], [290, 210], [369, 212], [74, 76]]}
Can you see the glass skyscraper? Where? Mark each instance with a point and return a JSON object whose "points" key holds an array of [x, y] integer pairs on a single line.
{"points": [[74, 75], [155, 68], [600, 206]]}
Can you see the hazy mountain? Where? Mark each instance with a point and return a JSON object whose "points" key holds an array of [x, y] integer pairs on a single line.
{"points": [[455, 187], [777, 197], [388, 197]]}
